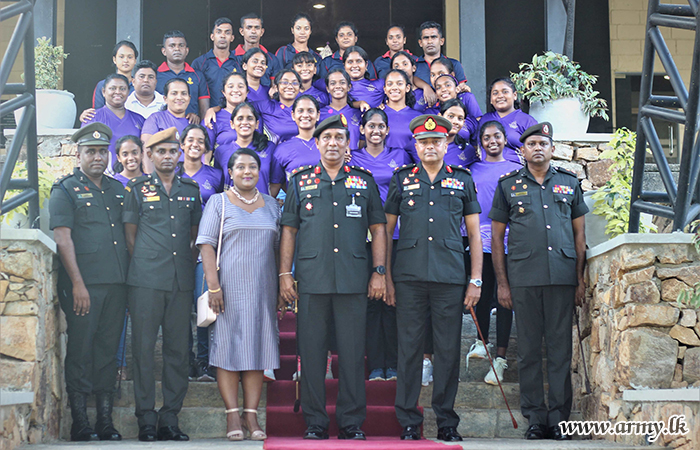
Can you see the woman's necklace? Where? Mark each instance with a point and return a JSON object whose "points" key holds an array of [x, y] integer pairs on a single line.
{"points": [[245, 200]]}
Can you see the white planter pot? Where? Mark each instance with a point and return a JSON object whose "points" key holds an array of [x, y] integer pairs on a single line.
{"points": [[595, 224], [54, 109], [565, 115]]}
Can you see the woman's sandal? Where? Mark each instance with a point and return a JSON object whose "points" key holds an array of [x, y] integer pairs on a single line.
{"points": [[235, 435], [257, 435]]}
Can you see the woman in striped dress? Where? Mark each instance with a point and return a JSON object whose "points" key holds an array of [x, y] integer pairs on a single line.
{"points": [[243, 294]]}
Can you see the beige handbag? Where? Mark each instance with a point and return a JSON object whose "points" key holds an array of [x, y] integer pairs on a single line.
{"points": [[205, 315]]}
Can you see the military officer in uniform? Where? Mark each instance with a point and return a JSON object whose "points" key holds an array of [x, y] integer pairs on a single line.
{"points": [[161, 218], [543, 205], [86, 209], [329, 208], [431, 198]]}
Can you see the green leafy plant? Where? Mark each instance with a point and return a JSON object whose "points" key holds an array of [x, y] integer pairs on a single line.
{"points": [[612, 201], [690, 298], [552, 76], [45, 184], [47, 61]]}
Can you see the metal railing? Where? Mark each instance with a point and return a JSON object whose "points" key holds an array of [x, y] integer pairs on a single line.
{"points": [[23, 35], [681, 201]]}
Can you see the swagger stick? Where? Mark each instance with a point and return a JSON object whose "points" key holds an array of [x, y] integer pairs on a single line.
{"points": [[583, 358], [123, 359], [297, 401], [476, 322]]}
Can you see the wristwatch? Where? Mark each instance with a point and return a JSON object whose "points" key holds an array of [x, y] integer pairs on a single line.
{"points": [[476, 282], [381, 270]]}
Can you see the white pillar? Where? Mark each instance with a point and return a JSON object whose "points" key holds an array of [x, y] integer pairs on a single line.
{"points": [[130, 22], [555, 15]]}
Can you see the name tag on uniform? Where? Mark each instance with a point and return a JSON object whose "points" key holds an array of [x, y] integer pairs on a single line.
{"points": [[518, 194], [119, 196], [411, 187], [308, 187], [155, 198], [452, 183], [562, 189], [355, 182], [353, 210], [82, 196]]}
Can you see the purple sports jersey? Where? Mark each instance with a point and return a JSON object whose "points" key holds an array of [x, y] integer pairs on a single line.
{"points": [[514, 123], [162, 120], [461, 154], [210, 181], [354, 118], [371, 92], [223, 154], [292, 154], [400, 135], [121, 178], [382, 168], [223, 132], [130, 124], [420, 104], [486, 175], [261, 94], [319, 95], [277, 120]]}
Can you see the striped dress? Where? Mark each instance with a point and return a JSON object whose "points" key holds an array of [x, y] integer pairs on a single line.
{"points": [[245, 336]]}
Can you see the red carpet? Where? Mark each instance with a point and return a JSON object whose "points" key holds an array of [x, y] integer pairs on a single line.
{"points": [[282, 421], [375, 443]]}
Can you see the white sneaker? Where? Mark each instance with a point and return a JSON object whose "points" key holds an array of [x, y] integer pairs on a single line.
{"points": [[329, 369], [296, 376], [477, 350], [500, 365], [427, 376], [269, 375]]}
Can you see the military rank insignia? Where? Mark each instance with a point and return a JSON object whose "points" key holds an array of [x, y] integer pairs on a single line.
{"points": [[355, 182], [562, 189], [452, 183]]}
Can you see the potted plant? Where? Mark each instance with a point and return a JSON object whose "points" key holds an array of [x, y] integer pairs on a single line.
{"points": [[54, 108], [559, 92], [17, 218]]}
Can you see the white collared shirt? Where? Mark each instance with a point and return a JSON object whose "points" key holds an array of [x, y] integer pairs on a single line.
{"points": [[134, 105]]}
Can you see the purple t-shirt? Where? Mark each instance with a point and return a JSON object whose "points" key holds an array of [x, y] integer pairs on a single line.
{"points": [[382, 168], [258, 95], [467, 99], [162, 120], [319, 95], [293, 154], [130, 124], [210, 181], [354, 118], [223, 154], [121, 178], [515, 124], [400, 135], [223, 132], [420, 104], [461, 154], [277, 119], [370, 91], [486, 175]]}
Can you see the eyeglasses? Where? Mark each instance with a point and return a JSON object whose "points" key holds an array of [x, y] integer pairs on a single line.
{"points": [[286, 83]]}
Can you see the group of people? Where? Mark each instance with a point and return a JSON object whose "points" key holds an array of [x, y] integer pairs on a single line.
{"points": [[400, 201]]}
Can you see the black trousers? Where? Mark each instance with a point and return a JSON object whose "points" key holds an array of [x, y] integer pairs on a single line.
{"points": [[504, 316], [150, 309], [544, 311], [444, 302], [347, 312], [382, 344], [93, 339]]}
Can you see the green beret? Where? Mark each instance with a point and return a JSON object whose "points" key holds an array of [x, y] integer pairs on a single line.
{"points": [[540, 129], [430, 125], [93, 134], [336, 121]]}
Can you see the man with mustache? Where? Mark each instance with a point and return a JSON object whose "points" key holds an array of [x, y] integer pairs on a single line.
{"points": [[544, 207], [86, 209], [161, 218]]}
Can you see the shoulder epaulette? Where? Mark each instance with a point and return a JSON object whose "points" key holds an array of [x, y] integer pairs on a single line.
{"points": [[301, 169], [509, 174], [60, 180], [190, 181], [362, 169], [138, 180], [405, 166], [566, 171], [462, 168]]}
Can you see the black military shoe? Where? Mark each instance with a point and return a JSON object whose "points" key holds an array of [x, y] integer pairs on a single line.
{"points": [[80, 430], [147, 433], [556, 434], [352, 432], [172, 434], [536, 431], [103, 425], [316, 432], [410, 433], [449, 434]]}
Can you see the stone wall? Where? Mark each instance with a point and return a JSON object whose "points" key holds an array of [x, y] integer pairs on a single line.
{"points": [[637, 336], [32, 339]]}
